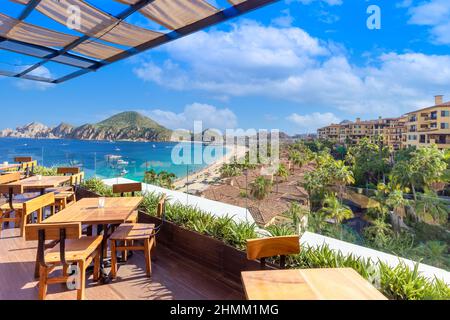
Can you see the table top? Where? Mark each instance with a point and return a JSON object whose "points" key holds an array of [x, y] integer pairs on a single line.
{"points": [[308, 284], [44, 183], [116, 211], [9, 166]]}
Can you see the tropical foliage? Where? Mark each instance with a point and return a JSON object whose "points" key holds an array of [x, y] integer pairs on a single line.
{"points": [[396, 283], [261, 187], [162, 179], [44, 171]]}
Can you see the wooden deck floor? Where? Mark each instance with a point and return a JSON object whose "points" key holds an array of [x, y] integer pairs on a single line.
{"points": [[174, 277]]}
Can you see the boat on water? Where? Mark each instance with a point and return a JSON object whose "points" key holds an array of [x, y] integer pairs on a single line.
{"points": [[122, 162], [113, 157], [123, 172], [117, 149]]}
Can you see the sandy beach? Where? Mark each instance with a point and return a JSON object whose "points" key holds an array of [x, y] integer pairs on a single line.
{"points": [[200, 180]]}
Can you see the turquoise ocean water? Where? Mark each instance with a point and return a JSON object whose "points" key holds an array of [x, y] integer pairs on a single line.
{"points": [[102, 158]]}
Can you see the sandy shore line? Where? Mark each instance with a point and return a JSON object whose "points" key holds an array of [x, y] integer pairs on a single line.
{"points": [[200, 180]]}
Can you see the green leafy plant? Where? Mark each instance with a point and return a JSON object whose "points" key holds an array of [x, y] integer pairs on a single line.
{"points": [[261, 187], [431, 209], [98, 186], [44, 171], [230, 170], [162, 179]]}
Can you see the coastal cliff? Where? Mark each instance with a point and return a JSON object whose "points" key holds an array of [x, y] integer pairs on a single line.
{"points": [[123, 126]]}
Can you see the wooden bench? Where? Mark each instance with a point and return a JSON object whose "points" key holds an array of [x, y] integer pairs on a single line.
{"points": [[73, 248]]}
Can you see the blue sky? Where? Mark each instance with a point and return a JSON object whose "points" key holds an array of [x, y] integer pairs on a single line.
{"points": [[295, 65]]}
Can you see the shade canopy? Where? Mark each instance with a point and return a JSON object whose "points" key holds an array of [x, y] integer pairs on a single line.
{"points": [[95, 38]]}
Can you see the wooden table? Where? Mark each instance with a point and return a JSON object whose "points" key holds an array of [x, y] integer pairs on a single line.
{"points": [[32, 183], [308, 284], [86, 211]]}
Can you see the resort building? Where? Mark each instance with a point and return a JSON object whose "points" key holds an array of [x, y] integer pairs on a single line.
{"points": [[417, 128], [429, 125], [391, 130]]}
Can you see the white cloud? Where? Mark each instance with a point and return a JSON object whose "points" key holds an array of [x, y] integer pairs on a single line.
{"points": [[404, 4], [211, 116], [310, 122], [286, 20], [435, 14], [31, 84], [288, 63]]}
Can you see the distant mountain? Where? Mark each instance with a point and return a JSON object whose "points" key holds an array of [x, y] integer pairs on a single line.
{"points": [[123, 126], [30, 130]]}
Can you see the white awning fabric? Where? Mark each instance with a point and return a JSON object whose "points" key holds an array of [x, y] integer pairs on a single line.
{"points": [[98, 35]]}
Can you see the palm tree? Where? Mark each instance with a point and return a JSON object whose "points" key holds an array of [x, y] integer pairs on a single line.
{"points": [[379, 232], [425, 167], [166, 179], [341, 175], [296, 157], [396, 202], [282, 173], [296, 212], [151, 177], [336, 210], [163, 179], [314, 183], [229, 170], [431, 209], [261, 187]]}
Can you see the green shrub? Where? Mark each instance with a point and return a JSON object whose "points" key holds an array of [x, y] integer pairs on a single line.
{"points": [[261, 187], [230, 170], [44, 171], [222, 228], [98, 186], [400, 282], [278, 230]]}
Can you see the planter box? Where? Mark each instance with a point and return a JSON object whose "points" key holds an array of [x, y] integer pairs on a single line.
{"points": [[216, 255], [84, 193], [220, 258]]}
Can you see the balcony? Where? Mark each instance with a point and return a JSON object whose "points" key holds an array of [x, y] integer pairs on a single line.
{"points": [[175, 277]]}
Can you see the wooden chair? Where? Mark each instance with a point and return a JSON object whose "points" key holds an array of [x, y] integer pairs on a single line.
{"points": [[68, 170], [124, 189], [65, 196], [12, 202], [275, 246], [36, 205], [27, 168], [73, 248], [128, 188], [9, 206], [23, 159], [127, 233]]}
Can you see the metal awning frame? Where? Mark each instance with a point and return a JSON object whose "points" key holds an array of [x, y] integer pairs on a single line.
{"points": [[86, 65]]}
